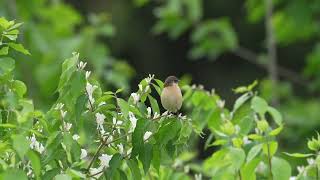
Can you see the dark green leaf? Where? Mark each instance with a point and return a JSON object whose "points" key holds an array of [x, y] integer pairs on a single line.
{"points": [[134, 167], [20, 144], [137, 136], [145, 156]]}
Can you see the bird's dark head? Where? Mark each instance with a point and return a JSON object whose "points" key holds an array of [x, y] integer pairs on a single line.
{"points": [[170, 81]]}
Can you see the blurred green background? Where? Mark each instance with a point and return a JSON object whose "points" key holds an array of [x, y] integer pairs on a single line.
{"points": [[220, 44]]}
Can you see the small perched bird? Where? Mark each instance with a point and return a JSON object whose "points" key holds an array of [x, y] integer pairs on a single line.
{"points": [[171, 97]]}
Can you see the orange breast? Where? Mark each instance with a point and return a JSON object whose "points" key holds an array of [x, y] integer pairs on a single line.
{"points": [[171, 98]]}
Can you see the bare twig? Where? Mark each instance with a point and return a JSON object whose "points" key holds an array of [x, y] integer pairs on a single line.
{"points": [[272, 49], [253, 58]]}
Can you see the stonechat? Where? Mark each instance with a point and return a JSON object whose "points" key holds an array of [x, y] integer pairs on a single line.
{"points": [[171, 97]]}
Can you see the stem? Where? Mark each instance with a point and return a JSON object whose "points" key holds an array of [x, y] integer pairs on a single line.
{"points": [[271, 47], [317, 171], [239, 173], [269, 160], [104, 143]]}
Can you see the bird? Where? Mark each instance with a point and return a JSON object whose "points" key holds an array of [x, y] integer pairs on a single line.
{"points": [[171, 96]]}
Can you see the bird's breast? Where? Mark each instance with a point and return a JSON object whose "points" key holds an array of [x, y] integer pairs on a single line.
{"points": [[171, 98]]}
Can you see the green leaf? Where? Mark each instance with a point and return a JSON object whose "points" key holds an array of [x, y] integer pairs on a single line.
{"points": [[167, 132], [156, 157], [75, 174], [5, 23], [145, 156], [273, 146], [7, 64], [218, 142], [68, 67], [19, 48], [4, 50], [51, 173], [248, 171], [276, 131], [35, 162], [80, 105], [281, 169], [236, 156], [240, 101], [154, 104], [20, 144], [259, 105], [62, 177], [19, 87], [276, 115], [13, 174], [134, 167], [124, 106], [298, 155], [115, 163], [254, 151], [137, 136]]}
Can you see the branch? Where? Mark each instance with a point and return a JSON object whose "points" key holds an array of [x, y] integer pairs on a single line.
{"points": [[271, 47], [286, 73]]}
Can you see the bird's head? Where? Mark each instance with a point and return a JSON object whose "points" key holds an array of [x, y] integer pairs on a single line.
{"points": [[171, 80]]}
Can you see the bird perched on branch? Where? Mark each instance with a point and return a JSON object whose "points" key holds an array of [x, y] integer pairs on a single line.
{"points": [[171, 97]]}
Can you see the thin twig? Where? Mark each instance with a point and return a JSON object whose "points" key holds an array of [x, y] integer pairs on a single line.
{"points": [[272, 50], [104, 143], [286, 73], [269, 159], [239, 173]]}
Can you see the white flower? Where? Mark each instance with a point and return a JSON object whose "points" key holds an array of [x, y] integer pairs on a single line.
{"points": [[100, 120], [301, 170], [82, 65], [246, 140], [75, 137], [102, 103], [116, 122], [88, 73], [220, 103], [95, 171], [156, 115], [149, 112], [104, 160], [63, 113], [120, 148], [180, 116], [40, 148], [293, 178], [165, 113], [83, 154], [198, 176], [90, 89], [186, 169], [140, 87], [59, 106], [34, 144], [147, 135], [67, 126], [310, 161], [133, 121], [135, 97], [149, 78], [110, 139]]}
